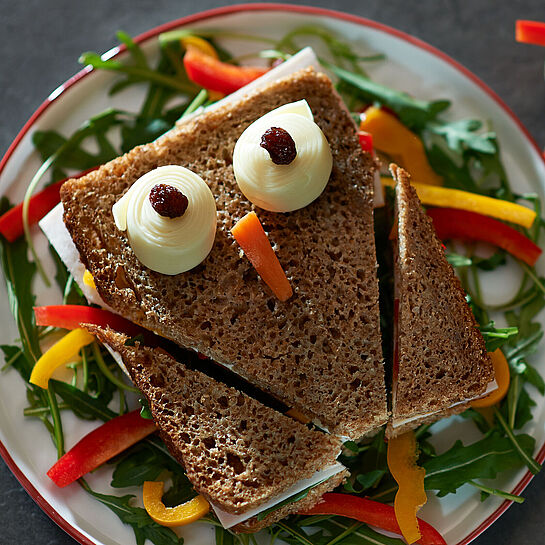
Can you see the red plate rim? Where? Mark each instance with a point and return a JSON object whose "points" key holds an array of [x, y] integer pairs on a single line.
{"points": [[228, 10]]}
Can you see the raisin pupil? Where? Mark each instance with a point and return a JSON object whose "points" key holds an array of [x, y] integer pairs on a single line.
{"points": [[168, 201], [280, 145]]}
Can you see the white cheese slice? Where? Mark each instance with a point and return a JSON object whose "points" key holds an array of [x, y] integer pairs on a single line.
{"points": [[228, 520], [492, 385]]}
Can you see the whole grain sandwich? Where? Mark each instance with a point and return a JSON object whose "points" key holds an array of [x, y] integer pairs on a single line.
{"points": [[440, 358], [238, 453], [318, 352]]}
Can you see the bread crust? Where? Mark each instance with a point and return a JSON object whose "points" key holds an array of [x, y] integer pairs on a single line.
{"points": [[320, 351], [441, 353]]}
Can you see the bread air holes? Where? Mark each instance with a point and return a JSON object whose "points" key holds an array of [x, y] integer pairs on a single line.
{"points": [[235, 462], [209, 443]]}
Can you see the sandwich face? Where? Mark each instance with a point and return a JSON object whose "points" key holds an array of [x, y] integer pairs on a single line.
{"points": [[319, 352], [440, 360], [236, 452]]}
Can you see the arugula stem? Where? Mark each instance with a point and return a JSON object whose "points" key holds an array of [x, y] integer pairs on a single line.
{"points": [[531, 273], [299, 537], [196, 103], [42, 411], [85, 370], [533, 466], [496, 492], [107, 373], [26, 203], [351, 529], [57, 422]]}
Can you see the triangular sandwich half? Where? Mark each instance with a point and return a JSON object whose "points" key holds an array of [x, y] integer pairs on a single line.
{"points": [[440, 358], [238, 453], [319, 352]]}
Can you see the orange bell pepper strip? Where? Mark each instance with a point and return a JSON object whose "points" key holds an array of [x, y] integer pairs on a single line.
{"points": [[402, 145], [215, 75], [465, 200], [59, 354], [250, 235], [99, 446], [530, 32], [183, 514], [402, 457], [503, 378], [370, 512], [470, 226], [201, 44]]}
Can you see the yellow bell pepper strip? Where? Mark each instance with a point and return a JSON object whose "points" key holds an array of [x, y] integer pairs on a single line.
{"points": [[183, 514], [530, 32], [465, 200], [402, 457], [402, 145], [59, 354], [470, 226], [99, 446], [503, 377], [200, 44], [88, 279], [370, 512]]}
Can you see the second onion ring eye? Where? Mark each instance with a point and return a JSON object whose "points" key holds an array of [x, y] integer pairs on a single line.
{"points": [[282, 161], [170, 218]]}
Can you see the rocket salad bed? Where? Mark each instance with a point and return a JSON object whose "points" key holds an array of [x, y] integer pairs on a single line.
{"points": [[460, 152]]}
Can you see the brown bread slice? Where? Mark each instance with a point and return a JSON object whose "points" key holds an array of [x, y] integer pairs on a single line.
{"points": [[320, 351], [441, 352], [236, 452]]}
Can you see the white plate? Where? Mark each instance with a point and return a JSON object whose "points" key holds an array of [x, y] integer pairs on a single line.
{"points": [[412, 66]]}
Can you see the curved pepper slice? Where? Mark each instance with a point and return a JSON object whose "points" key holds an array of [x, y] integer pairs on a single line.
{"points": [[465, 200], [402, 145], [183, 514], [503, 378], [59, 354], [200, 43], [402, 456], [470, 226], [215, 75], [370, 512], [99, 446], [72, 316], [250, 235]]}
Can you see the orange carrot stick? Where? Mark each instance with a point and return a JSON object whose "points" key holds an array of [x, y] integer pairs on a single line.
{"points": [[249, 233]]}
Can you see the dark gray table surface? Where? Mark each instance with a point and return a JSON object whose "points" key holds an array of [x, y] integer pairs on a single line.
{"points": [[40, 41]]}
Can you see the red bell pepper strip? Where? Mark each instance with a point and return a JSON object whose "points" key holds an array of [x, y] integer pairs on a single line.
{"points": [[73, 316], [530, 32], [11, 223], [215, 75], [470, 226], [366, 141], [99, 446], [370, 512]]}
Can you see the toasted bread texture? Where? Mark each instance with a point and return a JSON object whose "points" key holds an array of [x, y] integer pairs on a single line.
{"points": [[442, 358], [236, 452], [320, 351]]}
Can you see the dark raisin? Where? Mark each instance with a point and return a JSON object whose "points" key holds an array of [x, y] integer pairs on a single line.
{"points": [[168, 201], [280, 145]]}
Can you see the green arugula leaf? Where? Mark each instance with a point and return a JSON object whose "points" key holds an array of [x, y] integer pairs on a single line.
{"points": [[83, 405], [481, 460], [457, 260], [461, 135], [140, 464], [496, 337], [412, 112], [223, 536]]}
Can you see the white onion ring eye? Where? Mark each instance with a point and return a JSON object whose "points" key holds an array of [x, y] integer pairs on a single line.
{"points": [[168, 245], [283, 188]]}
